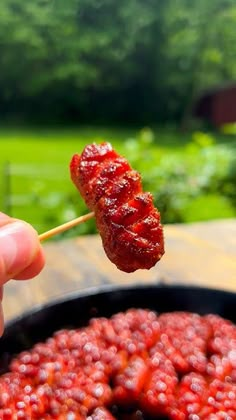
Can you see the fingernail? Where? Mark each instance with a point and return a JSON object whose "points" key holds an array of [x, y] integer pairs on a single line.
{"points": [[18, 246]]}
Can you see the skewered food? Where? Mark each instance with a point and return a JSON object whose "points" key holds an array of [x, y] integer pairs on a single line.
{"points": [[126, 218]]}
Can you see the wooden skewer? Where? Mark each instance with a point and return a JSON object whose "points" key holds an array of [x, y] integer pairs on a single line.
{"points": [[65, 226]]}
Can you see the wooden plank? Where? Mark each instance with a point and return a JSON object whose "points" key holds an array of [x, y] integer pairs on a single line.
{"points": [[193, 259], [220, 234], [200, 254]]}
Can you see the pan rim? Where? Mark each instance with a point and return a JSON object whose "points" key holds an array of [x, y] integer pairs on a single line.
{"points": [[110, 288]]}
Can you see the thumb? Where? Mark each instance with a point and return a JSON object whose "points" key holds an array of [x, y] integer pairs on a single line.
{"points": [[19, 245]]}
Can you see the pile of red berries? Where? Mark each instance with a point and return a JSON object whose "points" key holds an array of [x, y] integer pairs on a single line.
{"points": [[135, 365]]}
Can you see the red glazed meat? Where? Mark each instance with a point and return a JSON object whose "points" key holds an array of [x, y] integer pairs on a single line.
{"points": [[126, 218], [136, 365]]}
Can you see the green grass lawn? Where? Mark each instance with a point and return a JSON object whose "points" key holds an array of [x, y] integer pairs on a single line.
{"points": [[41, 192]]}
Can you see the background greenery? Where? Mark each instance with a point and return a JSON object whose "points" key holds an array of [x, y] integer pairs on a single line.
{"points": [[192, 177], [120, 61]]}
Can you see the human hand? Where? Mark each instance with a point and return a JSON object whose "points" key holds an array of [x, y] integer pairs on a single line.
{"points": [[21, 255]]}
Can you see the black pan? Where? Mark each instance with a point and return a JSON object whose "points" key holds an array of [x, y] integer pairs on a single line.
{"points": [[75, 310]]}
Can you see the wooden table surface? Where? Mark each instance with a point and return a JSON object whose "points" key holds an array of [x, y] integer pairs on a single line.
{"points": [[196, 254]]}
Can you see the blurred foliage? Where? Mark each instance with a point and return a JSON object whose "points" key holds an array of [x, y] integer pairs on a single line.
{"points": [[191, 177], [109, 60], [229, 129], [197, 184]]}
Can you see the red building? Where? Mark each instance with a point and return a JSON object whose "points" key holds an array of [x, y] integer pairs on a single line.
{"points": [[217, 106]]}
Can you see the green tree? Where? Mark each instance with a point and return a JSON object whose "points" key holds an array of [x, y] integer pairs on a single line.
{"points": [[135, 60]]}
